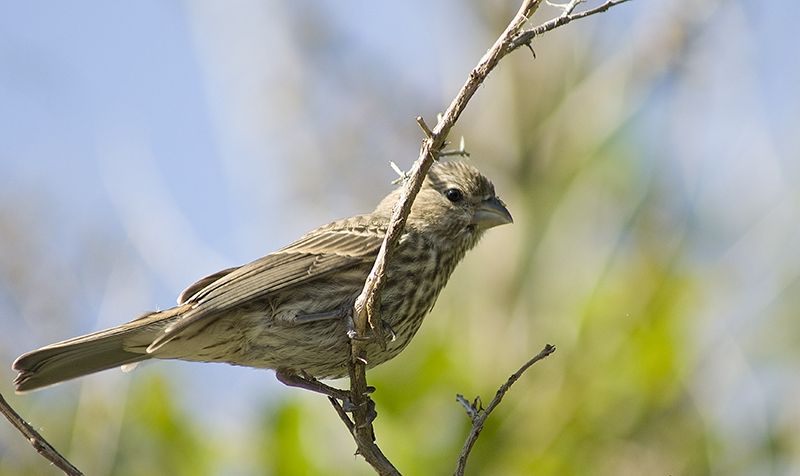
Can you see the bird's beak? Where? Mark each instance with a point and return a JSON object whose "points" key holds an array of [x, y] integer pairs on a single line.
{"points": [[492, 212]]}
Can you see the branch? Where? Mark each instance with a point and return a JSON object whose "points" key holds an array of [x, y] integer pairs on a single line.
{"points": [[525, 37], [479, 416], [367, 305], [34, 438]]}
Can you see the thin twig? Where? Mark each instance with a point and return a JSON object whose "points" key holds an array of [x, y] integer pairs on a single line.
{"points": [[342, 414], [461, 151], [479, 417], [525, 37], [424, 126], [36, 440], [567, 7]]}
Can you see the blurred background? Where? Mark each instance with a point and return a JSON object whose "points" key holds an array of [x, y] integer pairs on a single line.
{"points": [[649, 156]]}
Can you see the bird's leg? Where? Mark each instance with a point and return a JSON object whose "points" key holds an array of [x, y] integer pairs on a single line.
{"points": [[347, 314], [308, 382], [322, 316]]}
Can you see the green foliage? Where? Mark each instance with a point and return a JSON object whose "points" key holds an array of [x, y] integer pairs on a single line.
{"points": [[282, 443], [158, 437]]}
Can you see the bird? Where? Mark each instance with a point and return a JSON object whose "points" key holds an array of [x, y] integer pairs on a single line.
{"points": [[291, 310]]}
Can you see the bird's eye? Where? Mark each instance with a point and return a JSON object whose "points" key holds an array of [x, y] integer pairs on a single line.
{"points": [[454, 194]]}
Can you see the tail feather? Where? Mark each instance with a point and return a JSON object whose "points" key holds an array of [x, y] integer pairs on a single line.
{"points": [[115, 347]]}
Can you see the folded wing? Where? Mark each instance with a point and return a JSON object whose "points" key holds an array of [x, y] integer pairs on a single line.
{"points": [[321, 253]]}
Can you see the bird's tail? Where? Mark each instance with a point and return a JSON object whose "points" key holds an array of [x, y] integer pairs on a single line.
{"points": [[121, 345]]}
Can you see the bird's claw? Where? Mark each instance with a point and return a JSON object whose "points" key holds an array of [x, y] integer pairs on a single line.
{"points": [[353, 334], [387, 328], [372, 414], [350, 407]]}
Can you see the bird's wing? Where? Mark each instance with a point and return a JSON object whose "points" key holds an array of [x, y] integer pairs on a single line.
{"points": [[319, 253], [189, 292]]}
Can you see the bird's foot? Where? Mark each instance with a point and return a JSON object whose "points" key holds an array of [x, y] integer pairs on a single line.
{"points": [[308, 382], [388, 332]]}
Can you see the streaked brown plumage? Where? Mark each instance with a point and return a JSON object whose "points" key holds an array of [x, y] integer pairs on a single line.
{"points": [[289, 310]]}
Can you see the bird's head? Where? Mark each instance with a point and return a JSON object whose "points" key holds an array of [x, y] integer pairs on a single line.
{"points": [[456, 201]]}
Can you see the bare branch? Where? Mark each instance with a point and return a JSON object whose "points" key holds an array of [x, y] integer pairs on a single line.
{"points": [[424, 126], [36, 440], [367, 305], [461, 151], [525, 37], [479, 416], [567, 7]]}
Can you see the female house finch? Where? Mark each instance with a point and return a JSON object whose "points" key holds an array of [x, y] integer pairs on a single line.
{"points": [[290, 310]]}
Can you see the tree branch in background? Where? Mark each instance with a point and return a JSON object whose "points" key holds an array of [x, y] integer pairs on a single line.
{"points": [[479, 416], [34, 438]]}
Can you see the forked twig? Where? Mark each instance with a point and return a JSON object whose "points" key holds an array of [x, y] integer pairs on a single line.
{"points": [[525, 37], [479, 415]]}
